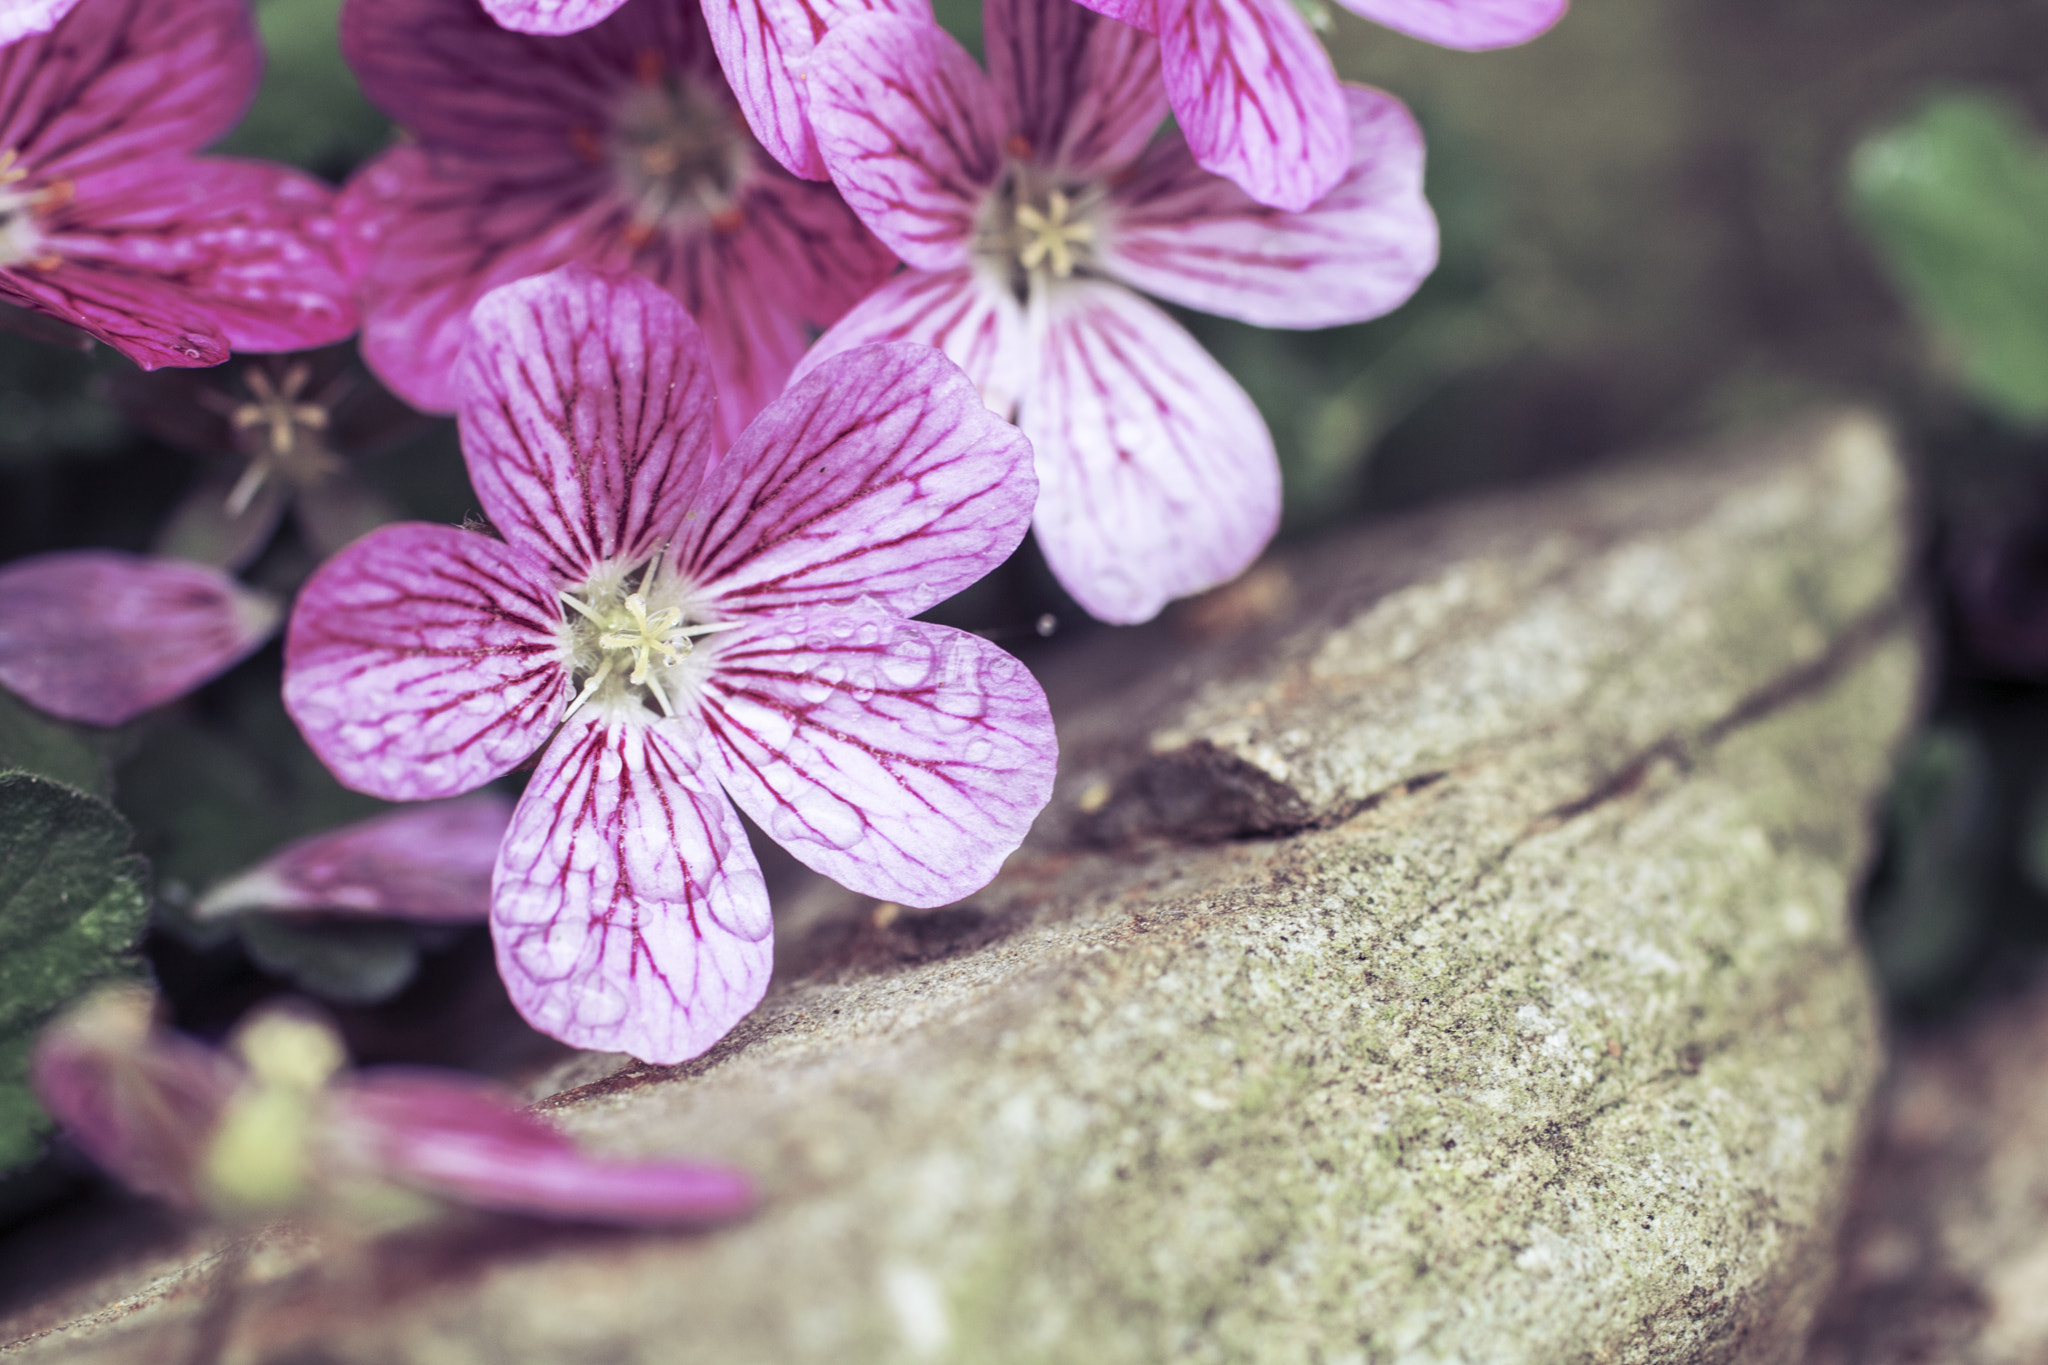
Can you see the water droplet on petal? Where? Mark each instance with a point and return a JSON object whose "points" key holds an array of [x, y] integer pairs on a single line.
{"points": [[545, 954], [869, 634], [599, 1003], [979, 749], [910, 664]]}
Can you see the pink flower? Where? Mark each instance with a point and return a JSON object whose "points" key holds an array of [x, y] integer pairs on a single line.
{"points": [[1255, 93], [107, 220], [100, 636], [430, 864], [279, 1126], [1026, 199], [619, 148], [667, 624]]}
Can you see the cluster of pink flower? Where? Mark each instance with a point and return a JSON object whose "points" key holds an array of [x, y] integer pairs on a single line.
{"points": [[609, 245]]}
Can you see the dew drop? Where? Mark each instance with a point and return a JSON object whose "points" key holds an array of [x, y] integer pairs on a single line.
{"points": [[600, 1003], [869, 634], [979, 749], [910, 664], [545, 955]]}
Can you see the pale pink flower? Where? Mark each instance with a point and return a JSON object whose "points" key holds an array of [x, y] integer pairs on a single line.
{"points": [[1026, 199], [100, 636], [620, 148], [110, 223], [1255, 94], [663, 624], [279, 1125]]}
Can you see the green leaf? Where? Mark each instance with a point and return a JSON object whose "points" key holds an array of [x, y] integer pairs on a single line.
{"points": [[32, 742], [309, 110], [1927, 907], [72, 909], [1956, 202]]}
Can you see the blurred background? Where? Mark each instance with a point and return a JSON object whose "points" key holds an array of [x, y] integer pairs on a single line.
{"points": [[1664, 219]]}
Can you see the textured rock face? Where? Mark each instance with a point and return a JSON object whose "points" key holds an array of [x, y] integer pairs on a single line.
{"points": [[1440, 953]]}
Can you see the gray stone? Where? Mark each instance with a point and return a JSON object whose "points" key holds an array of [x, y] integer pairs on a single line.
{"points": [[1438, 949]]}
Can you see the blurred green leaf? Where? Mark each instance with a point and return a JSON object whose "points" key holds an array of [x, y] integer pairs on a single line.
{"points": [[1927, 911], [51, 402], [309, 110], [1956, 202], [32, 742], [346, 963], [72, 908]]}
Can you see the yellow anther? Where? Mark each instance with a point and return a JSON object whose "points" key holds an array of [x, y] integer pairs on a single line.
{"points": [[1051, 235]]}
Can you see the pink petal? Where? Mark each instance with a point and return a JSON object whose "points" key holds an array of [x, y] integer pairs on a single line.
{"points": [[100, 637], [1157, 476], [881, 475], [156, 257], [122, 81], [1471, 25], [912, 132], [550, 16], [449, 74], [968, 313], [1081, 93], [1139, 14], [1195, 238], [587, 413], [431, 864], [764, 46], [424, 661], [466, 1141], [628, 910], [140, 1101], [1256, 97], [901, 759], [22, 17]]}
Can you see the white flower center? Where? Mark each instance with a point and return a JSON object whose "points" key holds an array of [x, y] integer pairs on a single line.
{"points": [[679, 153], [627, 637], [1031, 231], [283, 436], [21, 240]]}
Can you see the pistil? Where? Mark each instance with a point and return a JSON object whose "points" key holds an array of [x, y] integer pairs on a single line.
{"points": [[1051, 234], [632, 639]]}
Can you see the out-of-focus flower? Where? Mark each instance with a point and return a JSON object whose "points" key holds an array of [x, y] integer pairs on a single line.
{"points": [[431, 864], [109, 222], [20, 18], [1256, 96], [279, 434], [100, 636], [1026, 199], [668, 623], [279, 1126], [619, 148]]}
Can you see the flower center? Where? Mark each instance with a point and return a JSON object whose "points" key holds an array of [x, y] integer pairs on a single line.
{"points": [[626, 637], [21, 240], [1030, 231], [679, 154], [284, 436]]}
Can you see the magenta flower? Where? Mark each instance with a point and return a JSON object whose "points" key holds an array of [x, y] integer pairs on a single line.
{"points": [[667, 624], [100, 636], [1256, 96], [1024, 203], [110, 223], [280, 1126], [430, 864], [619, 148]]}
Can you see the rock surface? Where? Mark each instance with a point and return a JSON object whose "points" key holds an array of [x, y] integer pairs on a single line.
{"points": [[1945, 1256], [1438, 950]]}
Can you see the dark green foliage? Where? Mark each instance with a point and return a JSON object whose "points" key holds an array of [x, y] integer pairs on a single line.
{"points": [[72, 909], [1927, 907], [32, 742]]}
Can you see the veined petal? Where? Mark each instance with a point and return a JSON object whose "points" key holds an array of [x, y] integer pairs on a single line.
{"points": [[1179, 232], [430, 863], [903, 760], [1157, 477], [1139, 14], [466, 1140], [424, 661], [1081, 92], [552, 17], [100, 637], [1256, 97], [1471, 25], [798, 260], [968, 313], [23, 17], [124, 80], [447, 72], [764, 46], [880, 475], [912, 132], [587, 413], [147, 256], [628, 910]]}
